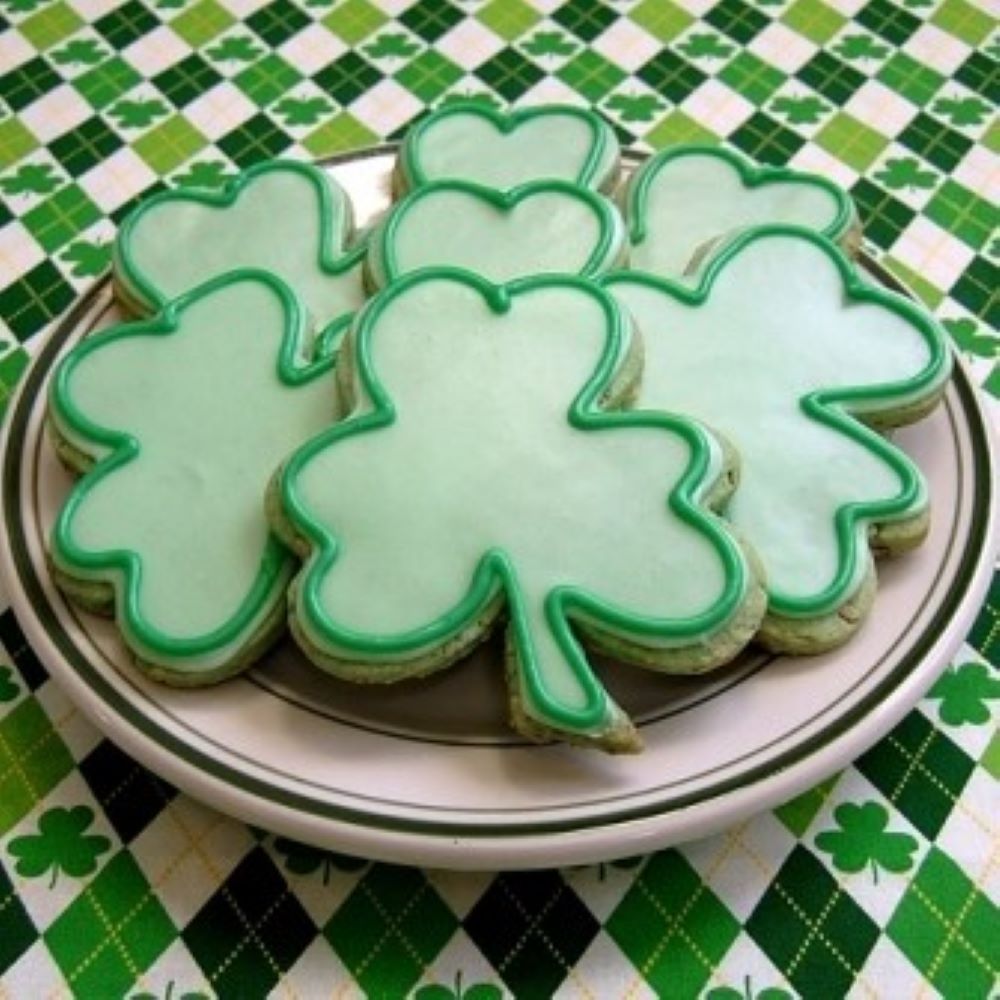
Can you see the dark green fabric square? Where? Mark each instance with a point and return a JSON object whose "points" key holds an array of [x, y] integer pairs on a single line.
{"points": [[828, 76], [948, 929], [755, 79], [105, 83], [533, 929], [429, 75], [811, 928], [591, 75], [430, 19], [962, 213], [935, 142], [915, 81], [251, 931], [21, 86], [585, 18], [113, 931], [88, 144], [26, 306], [888, 21], [186, 80], [671, 76], [982, 74], [978, 289], [764, 139], [347, 78], [985, 634], [672, 927], [60, 217], [17, 932], [255, 140], [740, 21], [389, 929], [121, 27], [920, 771], [265, 81], [884, 217], [277, 22], [509, 74]]}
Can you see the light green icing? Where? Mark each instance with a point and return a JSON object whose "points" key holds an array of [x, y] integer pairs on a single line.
{"points": [[487, 465], [189, 415], [779, 342], [479, 144], [687, 196], [546, 227], [290, 219]]}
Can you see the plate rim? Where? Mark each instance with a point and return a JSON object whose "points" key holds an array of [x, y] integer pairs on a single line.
{"points": [[538, 844]]}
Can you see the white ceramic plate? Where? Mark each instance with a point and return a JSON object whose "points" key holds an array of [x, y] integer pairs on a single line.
{"points": [[428, 773]]}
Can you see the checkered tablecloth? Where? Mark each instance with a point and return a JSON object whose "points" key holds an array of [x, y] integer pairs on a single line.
{"points": [[884, 881]]}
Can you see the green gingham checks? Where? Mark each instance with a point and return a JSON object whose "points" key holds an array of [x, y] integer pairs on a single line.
{"points": [[884, 881]]}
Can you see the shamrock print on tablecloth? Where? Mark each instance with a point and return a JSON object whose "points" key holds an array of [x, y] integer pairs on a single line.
{"points": [[475, 991], [61, 845], [864, 840], [87, 260], [964, 693], [9, 688], [748, 993], [304, 859]]}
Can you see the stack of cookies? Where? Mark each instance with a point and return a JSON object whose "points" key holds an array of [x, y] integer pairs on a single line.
{"points": [[638, 418]]}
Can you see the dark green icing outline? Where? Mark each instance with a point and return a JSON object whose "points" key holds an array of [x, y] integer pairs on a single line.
{"points": [[125, 564], [833, 407], [495, 570], [751, 176], [328, 191], [383, 242], [505, 123]]}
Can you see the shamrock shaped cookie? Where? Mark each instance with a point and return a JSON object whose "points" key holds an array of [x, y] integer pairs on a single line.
{"points": [[177, 423], [545, 227], [783, 348], [679, 202], [476, 143], [288, 218], [490, 476]]}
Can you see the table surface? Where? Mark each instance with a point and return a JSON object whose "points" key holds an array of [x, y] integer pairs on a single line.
{"points": [[883, 881]]}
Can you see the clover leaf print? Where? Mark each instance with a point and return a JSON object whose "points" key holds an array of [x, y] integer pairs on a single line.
{"points": [[962, 110], [32, 178], [137, 114], [747, 993], [8, 686], [87, 260], [205, 174], [635, 107], [863, 840], [169, 994], [83, 51], [302, 859], [302, 110], [477, 991], [705, 46], [860, 47], [236, 49], [905, 172], [61, 845], [549, 43], [390, 46], [806, 110], [973, 339], [964, 693]]}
